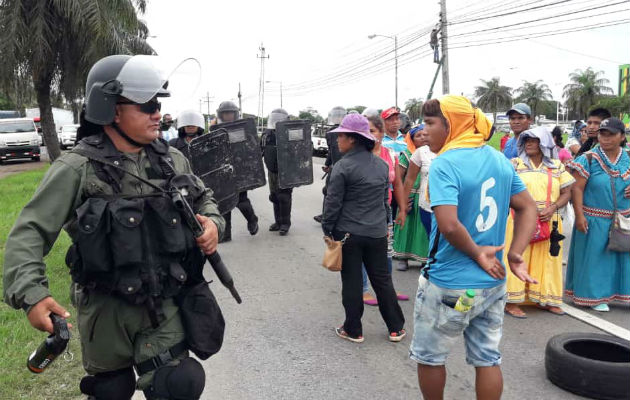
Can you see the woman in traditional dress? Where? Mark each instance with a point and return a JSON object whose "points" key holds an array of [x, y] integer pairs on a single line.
{"points": [[550, 185]]}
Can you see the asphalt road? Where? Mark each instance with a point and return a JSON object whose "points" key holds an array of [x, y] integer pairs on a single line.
{"points": [[280, 342]]}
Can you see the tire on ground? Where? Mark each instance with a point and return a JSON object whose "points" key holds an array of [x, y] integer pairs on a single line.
{"points": [[589, 364]]}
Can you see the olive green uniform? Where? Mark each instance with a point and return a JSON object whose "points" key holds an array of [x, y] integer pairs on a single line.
{"points": [[114, 333]]}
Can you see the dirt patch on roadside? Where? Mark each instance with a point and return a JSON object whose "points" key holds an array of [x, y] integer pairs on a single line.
{"points": [[13, 167]]}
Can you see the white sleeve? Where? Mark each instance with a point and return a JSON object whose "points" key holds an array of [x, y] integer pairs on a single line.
{"points": [[416, 158]]}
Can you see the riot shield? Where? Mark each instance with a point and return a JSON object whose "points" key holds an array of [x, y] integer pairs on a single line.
{"points": [[249, 172], [212, 163], [295, 153]]}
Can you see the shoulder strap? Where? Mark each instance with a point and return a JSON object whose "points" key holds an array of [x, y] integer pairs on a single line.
{"points": [[549, 183], [93, 155], [101, 145]]}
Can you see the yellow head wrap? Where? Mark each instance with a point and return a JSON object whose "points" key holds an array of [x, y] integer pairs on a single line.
{"points": [[468, 126]]}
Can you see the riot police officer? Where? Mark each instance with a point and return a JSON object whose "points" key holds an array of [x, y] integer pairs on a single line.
{"points": [[190, 124], [335, 116], [229, 112], [131, 254], [226, 112], [281, 198]]}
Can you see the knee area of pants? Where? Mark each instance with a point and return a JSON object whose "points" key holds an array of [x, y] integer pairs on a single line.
{"points": [[184, 381], [113, 385]]}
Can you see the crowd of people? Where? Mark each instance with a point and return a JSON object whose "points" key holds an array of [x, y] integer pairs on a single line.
{"points": [[486, 227], [457, 205]]}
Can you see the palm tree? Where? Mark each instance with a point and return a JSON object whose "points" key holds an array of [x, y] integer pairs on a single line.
{"points": [[532, 93], [585, 89], [492, 96], [413, 108], [54, 43]]}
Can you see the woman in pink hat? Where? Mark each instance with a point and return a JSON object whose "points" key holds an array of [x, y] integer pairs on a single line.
{"points": [[356, 207]]}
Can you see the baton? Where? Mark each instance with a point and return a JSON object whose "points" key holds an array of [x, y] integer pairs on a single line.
{"points": [[214, 259]]}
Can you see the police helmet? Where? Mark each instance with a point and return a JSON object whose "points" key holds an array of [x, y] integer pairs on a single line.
{"points": [[133, 77], [405, 123], [335, 116], [276, 116], [370, 112], [227, 106], [191, 118]]}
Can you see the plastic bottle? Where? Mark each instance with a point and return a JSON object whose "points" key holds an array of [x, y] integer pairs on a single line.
{"points": [[465, 301]]}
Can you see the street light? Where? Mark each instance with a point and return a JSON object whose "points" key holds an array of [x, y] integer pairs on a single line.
{"points": [[280, 82], [395, 39]]}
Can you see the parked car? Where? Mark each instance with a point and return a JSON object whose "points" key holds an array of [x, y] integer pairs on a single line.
{"points": [[67, 136], [318, 137], [18, 139]]}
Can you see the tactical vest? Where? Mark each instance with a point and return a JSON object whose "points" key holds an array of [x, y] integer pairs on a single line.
{"points": [[136, 247]]}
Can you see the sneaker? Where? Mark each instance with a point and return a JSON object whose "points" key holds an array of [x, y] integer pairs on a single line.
{"points": [[318, 218], [397, 336], [344, 335], [274, 227], [601, 307]]}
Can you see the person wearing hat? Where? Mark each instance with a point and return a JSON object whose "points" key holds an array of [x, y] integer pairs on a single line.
{"points": [[190, 124], [471, 189], [168, 132], [356, 208], [520, 116], [595, 275], [394, 139], [131, 253]]}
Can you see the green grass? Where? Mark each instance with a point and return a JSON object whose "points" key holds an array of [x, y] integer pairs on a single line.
{"points": [[19, 339]]}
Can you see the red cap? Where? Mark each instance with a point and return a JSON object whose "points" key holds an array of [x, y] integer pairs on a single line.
{"points": [[389, 112]]}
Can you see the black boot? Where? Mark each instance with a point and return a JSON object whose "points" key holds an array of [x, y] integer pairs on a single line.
{"points": [[276, 215], [227, 234], [248, 212], [284, 201]]}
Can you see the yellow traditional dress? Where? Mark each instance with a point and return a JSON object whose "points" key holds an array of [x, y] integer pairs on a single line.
{"points": [[547, 270]]}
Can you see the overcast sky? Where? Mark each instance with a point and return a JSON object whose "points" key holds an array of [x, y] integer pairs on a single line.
{"points": [[321, 52]]}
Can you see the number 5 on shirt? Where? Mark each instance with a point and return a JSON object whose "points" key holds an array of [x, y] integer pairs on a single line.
{"points": [[489, 203]]}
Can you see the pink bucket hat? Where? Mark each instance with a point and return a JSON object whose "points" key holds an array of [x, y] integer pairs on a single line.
{"points": [[355, 123]]}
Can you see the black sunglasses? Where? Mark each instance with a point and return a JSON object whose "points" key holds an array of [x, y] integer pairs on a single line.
{"points": [[148, 108]]}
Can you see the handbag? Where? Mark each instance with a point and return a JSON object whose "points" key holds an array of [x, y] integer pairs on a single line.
{"points": [[619, 233], [332, 255], [543, 232]]}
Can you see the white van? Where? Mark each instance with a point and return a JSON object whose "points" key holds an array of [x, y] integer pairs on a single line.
{"points": [[68, 135], [18, 139]]}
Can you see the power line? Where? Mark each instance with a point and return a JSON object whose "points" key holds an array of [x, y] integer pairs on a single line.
{"points": [[509, 13]]}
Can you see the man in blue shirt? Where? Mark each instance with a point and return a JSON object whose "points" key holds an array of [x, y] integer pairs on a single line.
{"points": [[471, 189], [520, 116], [393, 140]]}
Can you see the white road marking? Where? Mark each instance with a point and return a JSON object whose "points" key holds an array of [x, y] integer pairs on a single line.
{"points": [[597, 322]]}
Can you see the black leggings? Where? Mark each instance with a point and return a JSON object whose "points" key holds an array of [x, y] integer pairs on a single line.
{"points": [[372, 252]]}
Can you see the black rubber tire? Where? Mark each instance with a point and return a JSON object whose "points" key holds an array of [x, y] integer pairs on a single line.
{"points": [[35, 158], [589, 364]]}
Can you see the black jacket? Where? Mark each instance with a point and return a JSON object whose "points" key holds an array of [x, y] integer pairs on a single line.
{"points": [[357, 198]]}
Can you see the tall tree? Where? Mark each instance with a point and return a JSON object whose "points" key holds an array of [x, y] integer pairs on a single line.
{"points": [[492, 96], [533, 93], [55, 42], [585, 89], [413, 108]]}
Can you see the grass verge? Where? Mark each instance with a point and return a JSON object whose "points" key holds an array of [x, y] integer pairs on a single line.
{"points": [[61, 379]]}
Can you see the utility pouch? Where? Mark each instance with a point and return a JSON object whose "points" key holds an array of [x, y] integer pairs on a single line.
{"points": [[202, 319]]}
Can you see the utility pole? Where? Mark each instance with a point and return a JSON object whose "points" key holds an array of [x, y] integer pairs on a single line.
{"points": [[240, 105], [396, 66], [444, 43], [261, 86], [206, 100]]}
